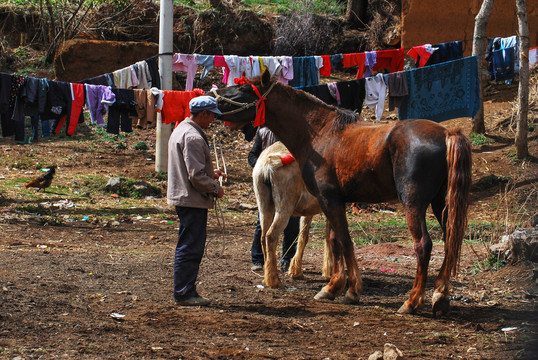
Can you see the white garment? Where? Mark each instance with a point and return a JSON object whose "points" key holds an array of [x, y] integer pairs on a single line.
{"points": [[159, 95], [238, 65], [255, 68], [376, 91], [272, 64], [122, 78], [319, 64], [532, 56], [144, 76], [286, 62]]}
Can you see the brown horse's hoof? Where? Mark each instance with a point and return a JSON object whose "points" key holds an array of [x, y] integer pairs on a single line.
{"points": [[351, 300], [323, 295], [297, 277], [441, 304], [406, 309]]}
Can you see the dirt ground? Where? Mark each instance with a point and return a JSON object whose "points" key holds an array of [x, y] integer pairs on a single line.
{"points": [[87, 275]]}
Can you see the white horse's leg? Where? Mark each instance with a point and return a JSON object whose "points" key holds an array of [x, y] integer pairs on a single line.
{"points": [[296, 265]]}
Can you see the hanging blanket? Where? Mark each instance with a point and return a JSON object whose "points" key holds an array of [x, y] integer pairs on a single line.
{"points": [[444, 91]]}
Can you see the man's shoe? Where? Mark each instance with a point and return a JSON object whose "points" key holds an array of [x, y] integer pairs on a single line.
{"points": [[196, 300], [285, 265], [257, 267]]}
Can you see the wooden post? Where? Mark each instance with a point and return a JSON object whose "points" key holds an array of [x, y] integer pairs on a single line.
{"points": [[522, 146]]}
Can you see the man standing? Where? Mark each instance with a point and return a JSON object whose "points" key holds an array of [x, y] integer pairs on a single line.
{"points": [[191, 189]]}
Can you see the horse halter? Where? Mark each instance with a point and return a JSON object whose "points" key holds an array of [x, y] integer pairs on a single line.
{"points": [[260, 103]]}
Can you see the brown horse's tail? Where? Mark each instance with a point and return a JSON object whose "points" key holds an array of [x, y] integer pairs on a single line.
{"points": [[459, 160]]}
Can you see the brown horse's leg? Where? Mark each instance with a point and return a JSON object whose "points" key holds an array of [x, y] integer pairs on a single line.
{"points": [[416, 222], [342, 249], [440, 300], [296, 265]]}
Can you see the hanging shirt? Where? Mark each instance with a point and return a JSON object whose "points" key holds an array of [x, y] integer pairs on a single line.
{"points": [[134, 75], [144, 76], [376, 91], [390, 59], [503, 64], [176, 105], [207, 61], [122, 78], [153, 67], [187, 63], [446, 52], [443, 91], [98, 98], [532, 56], [421, 54], [255, 67], [369, 62], [326, 69], [286, 75], [355, 59], [272, 64], [219, 61]]}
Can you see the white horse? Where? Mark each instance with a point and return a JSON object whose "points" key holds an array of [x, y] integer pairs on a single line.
{"points": [[281, 193]]}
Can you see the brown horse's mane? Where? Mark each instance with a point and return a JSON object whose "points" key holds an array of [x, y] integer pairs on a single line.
{"points": [[344, 117]]}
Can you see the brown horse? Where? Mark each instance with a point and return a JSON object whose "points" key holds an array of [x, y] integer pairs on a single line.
{"points": [[343, 159]]}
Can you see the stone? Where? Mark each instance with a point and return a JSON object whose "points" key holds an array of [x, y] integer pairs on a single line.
{"points": [[391, 352]]}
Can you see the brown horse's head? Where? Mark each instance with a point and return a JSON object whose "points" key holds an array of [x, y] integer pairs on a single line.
{"points": [[238, 103]]}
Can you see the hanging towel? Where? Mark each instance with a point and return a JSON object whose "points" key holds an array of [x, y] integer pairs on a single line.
{"points": [[444, 91], [305, 71]]}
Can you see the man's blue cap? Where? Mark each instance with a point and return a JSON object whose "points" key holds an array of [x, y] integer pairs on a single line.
{"points": [[201, 103]]}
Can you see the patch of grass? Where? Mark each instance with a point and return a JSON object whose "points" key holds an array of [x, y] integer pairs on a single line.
{"points": [[158, 176], [480, 139], [492, 262], [141, 145]]}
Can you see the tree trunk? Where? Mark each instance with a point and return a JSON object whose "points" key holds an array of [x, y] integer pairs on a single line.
{"points": [[480, 25], [356, 12], [522, 148]]}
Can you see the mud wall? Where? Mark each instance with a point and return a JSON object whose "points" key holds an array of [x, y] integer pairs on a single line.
{"points": [[79, 59], [434, 21]]}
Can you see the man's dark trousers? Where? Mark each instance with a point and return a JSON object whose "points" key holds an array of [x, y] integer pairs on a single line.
{"points": [[189, 250]]}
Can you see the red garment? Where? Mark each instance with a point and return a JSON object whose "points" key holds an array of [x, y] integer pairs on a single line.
{"points": [[176, 105], [326, 69], [355, 59], [77, 93], [421, 51], [391, 59], [287, 159]]}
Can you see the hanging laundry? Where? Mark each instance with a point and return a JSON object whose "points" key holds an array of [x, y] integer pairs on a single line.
{"points": [[145, 109], [352, 94], [187, 63], [369, 62], [326, 69], [355, 59], [305, 71], [532, 56], [153, 67], [286, 75], [134, 75], [503, 64], [71, 117], [421, 54], [256, 70], [120, 111], [270, 63], [176, 105], [98, 99], [512, 42], [122, 78], [443, 91], [333, 90], [159, 96], [219, 61], [143, 74], [238, 66], [376, 91], [446, 52], [398, 90], [29, 95], [207, 61], [321, 92], [336, 61], [392, 59]]}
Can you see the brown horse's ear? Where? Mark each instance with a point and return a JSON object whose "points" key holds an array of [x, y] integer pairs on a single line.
{"points": [[266, 77]]}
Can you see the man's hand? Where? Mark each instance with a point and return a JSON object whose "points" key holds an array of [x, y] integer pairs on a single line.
{"points": [[219, 173]]}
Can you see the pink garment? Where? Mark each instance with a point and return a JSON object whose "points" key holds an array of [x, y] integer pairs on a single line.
{"points": [[287, 69], [134, 76], [221, 62], [188, 63]]}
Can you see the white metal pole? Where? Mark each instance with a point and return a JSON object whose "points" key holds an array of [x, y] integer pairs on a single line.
{"points": [[166, 25]]}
